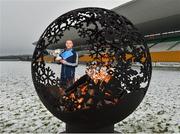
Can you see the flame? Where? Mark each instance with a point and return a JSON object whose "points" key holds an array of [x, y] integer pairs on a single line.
{"points": [[98, 75], [83, 89], [72, 96], [80, 100]]}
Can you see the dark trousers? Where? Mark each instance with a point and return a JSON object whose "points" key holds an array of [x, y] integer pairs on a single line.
{"points": [[67, 76]]}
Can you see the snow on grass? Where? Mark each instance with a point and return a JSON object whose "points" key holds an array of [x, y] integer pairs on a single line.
{"points": [[22, 111]]}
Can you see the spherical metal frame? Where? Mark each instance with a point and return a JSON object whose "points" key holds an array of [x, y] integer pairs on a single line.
{"points": [[127, 52]]}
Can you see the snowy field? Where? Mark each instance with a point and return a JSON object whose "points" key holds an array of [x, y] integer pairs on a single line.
{"points": [[22, 111]]}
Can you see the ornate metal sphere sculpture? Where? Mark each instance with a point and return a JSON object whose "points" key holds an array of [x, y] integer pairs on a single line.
{"points": [[118, 52]]}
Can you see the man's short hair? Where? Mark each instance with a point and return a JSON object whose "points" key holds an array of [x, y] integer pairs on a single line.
{"points": [[69, 40]]}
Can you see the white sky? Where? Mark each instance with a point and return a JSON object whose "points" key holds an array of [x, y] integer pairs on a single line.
{"points": [[23, 21]]}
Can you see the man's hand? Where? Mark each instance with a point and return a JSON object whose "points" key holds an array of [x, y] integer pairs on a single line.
{"points": [[62, 61], [57, 59]]}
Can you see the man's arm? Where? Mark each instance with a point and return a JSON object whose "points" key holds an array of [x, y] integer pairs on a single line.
{"points": [[72, 64]]}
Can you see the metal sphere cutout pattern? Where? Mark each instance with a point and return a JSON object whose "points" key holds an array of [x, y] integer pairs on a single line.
{"points": [[119, 56]]}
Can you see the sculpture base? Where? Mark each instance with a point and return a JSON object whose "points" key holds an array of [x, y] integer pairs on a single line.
{"points": [[76, 129]]}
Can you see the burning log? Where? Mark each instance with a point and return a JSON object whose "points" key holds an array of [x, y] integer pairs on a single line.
{"points": [[83, 93]]}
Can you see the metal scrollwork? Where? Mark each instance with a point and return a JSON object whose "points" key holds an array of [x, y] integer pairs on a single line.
{"points": [[115, 47]]}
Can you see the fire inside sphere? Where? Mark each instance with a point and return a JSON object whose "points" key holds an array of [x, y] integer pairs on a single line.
{"points": [[118, 68]]}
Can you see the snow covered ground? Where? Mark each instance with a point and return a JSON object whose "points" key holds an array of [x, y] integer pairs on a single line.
{"points": [[22, 111]]}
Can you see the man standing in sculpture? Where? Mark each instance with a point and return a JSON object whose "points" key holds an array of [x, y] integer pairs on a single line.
{"points": [[69, 60]]}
